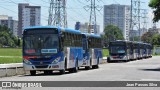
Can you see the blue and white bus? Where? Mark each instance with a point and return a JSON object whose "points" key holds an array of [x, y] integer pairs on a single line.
{"points": [[92, 50], [120, 51], [148, 50], [140, 50], [48, 48], [135, 50]]}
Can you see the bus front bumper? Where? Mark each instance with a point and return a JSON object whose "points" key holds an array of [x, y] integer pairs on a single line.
{"points": [[58, 66], [117, 59]]}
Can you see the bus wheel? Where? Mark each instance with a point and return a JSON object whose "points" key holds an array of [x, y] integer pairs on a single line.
{"points": [[76, 67], [108, 60], [33, 72], [71, 70], [48, 72], [62, 71], [96, 66], [65, 66], [88, 67]]}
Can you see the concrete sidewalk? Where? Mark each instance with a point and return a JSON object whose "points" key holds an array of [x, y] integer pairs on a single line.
{"points": [[11, 56]]}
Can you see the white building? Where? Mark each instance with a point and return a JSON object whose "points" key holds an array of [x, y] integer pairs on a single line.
{"points": [[84, 28], [10, 23], [28, 16], [118, 15]]}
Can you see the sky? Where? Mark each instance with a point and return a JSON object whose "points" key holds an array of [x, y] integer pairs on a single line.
{"points": [[75, 10]]}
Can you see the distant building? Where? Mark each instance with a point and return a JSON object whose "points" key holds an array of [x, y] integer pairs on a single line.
{"points": [[154, 30], [77, 26], [10, 23], [143, 31], [97, 31], [84, 28], [118, 15], [134, 33], [28, 16]]}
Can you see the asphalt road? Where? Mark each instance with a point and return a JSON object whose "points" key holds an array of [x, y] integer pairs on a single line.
{"points": [[139, 70]]}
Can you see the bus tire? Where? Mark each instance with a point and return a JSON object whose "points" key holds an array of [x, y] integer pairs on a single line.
{"points": [[97, 66], [108, 60], [65, 67], [62, 71], [70, 70], [87, 67], [48, 72], [90, 66], [75, 69], [33, 72]]}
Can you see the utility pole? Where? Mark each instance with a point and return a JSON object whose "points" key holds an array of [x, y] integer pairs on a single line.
{"points": [[135, 21], [92, 20], [57, 13], [155, 27], [144, 18]]}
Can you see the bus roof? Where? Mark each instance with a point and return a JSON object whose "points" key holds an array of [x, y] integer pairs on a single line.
{"points": [[59, 29], [71, 30], [120, 41], [92, 35], [33, 27]]}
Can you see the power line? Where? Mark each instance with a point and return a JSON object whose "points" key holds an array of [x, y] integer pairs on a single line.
{"points": [[13, 2], [79, 13], [36, 4], [45, 1], [115, 1], [93, 8], [81, 2], [135, 22], [8, 9], [57, 13]]}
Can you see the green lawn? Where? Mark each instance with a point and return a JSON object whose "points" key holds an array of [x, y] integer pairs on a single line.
{"points": [[10, 55], [14, 55], [10, 52], [155, 54], [105, 52]]}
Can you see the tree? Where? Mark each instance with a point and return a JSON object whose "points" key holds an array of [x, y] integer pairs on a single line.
{"points": [[112, 33], [7, 38], [156, 39], [155, 4], [134, 38], [147, 37]]}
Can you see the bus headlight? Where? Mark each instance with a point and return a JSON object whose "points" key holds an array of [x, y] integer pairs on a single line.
{"points": [[27, 61], [56, 60], [124, 57]]}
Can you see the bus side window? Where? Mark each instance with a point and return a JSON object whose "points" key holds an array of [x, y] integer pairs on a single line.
{"points": [[65, 39], [76, 40], [69, 39]]}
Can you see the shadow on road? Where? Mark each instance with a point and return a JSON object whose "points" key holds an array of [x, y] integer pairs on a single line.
{"points": [[54, 73], [118, 62], [42, 74], [156, 69]]}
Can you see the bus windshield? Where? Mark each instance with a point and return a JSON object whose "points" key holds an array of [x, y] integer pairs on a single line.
{"points": [[117, 49], [41, 44]]}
